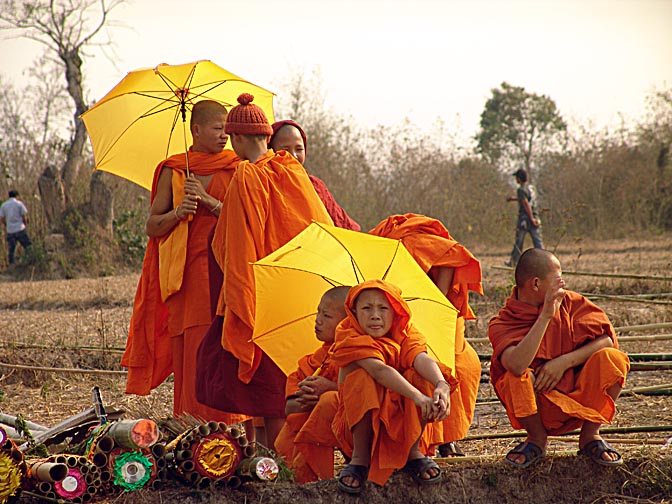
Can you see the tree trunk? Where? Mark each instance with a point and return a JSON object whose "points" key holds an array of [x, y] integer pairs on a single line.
{"points": [[102, 203], [52, 195], [73, 161]]}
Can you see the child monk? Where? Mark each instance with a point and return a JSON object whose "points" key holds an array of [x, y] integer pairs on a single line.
{"points": [[170, 311], [289, 136], [269, 201], [306, 440], [456, 272], [555, 362], [389, 388]]}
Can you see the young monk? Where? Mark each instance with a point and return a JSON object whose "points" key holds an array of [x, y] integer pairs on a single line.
{"points": [[171, 312], [456, 272], [389, 388], [269, 201], [306, 440], [289, 136], [555, 362]]}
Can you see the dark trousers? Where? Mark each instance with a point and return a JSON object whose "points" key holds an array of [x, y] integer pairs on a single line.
{"points": [[12, 238]]}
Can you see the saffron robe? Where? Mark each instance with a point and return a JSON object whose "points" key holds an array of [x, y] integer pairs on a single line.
{"points": [[306, 441], [431, 245], [396, 420], [170, 313], [267, 204], [581, 393]]}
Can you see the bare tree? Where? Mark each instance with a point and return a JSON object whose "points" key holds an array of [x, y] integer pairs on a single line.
{"points": [[66, 28]]}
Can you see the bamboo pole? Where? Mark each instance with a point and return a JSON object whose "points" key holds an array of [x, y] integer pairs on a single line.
{"points": [[63, 370], [628, 299], [665, 387], [11, 419], [621, 339], [22, 346], [603, 275], [644, 327], [635, 357], [604, 430]]}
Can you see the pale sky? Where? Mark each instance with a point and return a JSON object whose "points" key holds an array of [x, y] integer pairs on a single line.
{"points": [[386, 60]]}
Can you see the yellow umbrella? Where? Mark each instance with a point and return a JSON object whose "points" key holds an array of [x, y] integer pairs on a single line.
{"points": [[136, 125], [291, 280]]}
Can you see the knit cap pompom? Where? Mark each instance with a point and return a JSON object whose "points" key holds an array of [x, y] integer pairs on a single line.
{"points": [[245, 98]]}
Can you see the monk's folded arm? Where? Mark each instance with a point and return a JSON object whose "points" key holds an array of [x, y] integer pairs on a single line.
{"points": [[583, 353], [390, 378], [517, 358], [428, 368]]}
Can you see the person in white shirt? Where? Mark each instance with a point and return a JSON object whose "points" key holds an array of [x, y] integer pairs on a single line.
{"points": [[14, 217]]}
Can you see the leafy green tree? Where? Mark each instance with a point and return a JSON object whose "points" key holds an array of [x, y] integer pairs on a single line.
{"points": [[517, 126]]}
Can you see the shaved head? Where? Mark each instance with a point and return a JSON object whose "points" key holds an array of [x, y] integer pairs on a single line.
{"points": [[205, 111], [534, 262], [337, 295]]}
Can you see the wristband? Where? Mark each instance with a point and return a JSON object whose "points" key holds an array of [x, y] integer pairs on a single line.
{"points": [[218, 206], [175, 211], [442, 381]]}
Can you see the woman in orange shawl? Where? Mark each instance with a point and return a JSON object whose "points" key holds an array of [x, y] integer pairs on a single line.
{"points": [[269, 201], [555, 362], [456, 272], [389, 388], [171, 312]]}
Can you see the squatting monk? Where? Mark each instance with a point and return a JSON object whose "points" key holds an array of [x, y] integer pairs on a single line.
{"points": [[555, 365], [306, 441], [455, 271], [270, 200], [171, 311], [389, 388]]}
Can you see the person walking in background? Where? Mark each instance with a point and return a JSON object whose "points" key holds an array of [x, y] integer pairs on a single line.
{"points": [[14, 216], [528, 219]]}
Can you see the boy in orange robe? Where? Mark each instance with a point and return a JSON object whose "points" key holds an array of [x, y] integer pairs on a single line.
{"points": [[555, 362], [389, 388], [306, 440], [456, 272], [171, 312], [270, 200]]}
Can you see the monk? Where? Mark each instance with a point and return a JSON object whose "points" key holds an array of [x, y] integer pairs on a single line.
{"points": [[555, 362], [389, 388], [290, 137], [270, 200], [306, 440], [171, 311], [456, 272]]}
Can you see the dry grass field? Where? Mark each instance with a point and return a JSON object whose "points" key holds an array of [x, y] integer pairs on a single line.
{"points": [[82, 324]]}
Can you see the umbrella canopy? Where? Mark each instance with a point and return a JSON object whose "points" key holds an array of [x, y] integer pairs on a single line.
{"points": [[144, 118], [291, 281]]}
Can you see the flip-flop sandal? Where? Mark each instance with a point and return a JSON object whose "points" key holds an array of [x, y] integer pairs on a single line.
{"points": [[530, 451], [417, 467], [450, 450], [596, 448], [358, 472]]}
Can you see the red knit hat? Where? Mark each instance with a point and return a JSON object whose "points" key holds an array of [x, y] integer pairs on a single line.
{"points": [[247, 118]]}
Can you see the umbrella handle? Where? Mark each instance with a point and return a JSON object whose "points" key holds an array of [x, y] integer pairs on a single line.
{"points": [[184, 135]]}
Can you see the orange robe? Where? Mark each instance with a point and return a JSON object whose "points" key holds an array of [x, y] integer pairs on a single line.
{"points": [[306, 441], [267, 204], [581, 393], [431, 245], [396, 420], [165, 334]]}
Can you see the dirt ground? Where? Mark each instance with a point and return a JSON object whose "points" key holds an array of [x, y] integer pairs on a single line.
{"points": [[83, 324]]}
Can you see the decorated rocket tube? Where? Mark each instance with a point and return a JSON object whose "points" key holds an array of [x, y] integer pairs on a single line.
{"points": [[206, 454], [12, 468]]}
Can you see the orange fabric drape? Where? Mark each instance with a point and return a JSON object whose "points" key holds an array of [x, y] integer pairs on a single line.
{"points": [[395, 418], [306, 441], [577, 322], [431, 245], [148, 355], [268, 203]]}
